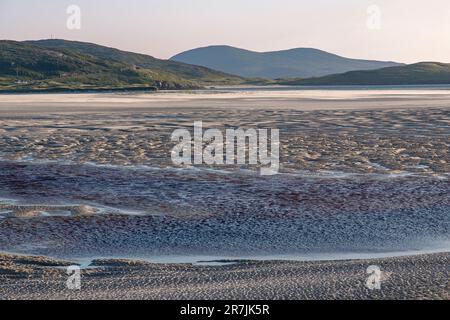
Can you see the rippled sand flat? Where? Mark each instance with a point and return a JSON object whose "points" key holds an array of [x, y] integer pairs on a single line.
{"points": [[378, 138], [363, 172], [417, 277], [147, 212]]}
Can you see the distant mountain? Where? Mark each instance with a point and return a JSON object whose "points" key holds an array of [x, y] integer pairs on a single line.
{"points": [[202, 75], [294, 63], [413, 74], [61, 65]]}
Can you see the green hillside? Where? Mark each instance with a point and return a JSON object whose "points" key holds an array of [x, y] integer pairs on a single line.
{"points": [[60, 65], [201, 75], [24, 67], [413, 74]]}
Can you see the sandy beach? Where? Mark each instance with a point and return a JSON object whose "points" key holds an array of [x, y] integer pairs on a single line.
{"points": [[364, 175], [413, 277], [276, 98]]}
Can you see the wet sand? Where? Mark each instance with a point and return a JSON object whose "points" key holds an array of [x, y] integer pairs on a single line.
{"points": [[413, 277], [90, 175], [305, 99], [362, 133]]}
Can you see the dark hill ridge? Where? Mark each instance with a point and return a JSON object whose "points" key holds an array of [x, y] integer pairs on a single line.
{"points": [[293, 63], [413, 74], [200, 74], [24, 60], [25, 67], [61, 65]]}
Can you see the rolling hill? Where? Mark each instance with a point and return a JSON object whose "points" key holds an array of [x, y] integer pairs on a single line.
{"points": [[60, 65], [414, 74], [202, 75], [25, 67], [294, 63]]}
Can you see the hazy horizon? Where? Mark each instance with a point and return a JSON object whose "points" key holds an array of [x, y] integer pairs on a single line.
{"points": [[404, 31]]}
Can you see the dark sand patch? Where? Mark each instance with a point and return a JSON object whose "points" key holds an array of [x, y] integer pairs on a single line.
{"points": [[414, 277]]}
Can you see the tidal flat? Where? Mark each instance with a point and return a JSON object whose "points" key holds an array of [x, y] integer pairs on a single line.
{"points": [[362, 172]]}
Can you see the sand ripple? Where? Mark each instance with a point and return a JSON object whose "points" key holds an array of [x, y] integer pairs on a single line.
{"points": [[369, 141]]}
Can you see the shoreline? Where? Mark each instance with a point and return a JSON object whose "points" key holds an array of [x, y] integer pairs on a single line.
{"points": [[197, 259], [51, 91], [239, 87], [188, 101], [409, 277]]}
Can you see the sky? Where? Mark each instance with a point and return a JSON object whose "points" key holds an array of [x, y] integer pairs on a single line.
{"points": [[397, 30]]}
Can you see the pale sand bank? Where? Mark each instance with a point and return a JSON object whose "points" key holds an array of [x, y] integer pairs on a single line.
{"points": [[411, 277], [257, 99]]}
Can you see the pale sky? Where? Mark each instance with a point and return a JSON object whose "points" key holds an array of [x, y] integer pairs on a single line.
{"points": [[404, 31]]}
